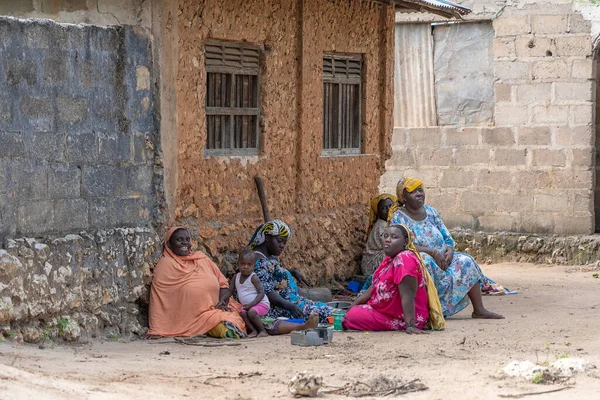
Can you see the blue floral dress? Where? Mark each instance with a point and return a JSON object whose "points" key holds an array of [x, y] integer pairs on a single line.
{"points": [[462, 274], [275, 277]]}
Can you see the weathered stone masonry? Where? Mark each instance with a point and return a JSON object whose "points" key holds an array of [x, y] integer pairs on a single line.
{"points": [[78, 156], [77, 128]]}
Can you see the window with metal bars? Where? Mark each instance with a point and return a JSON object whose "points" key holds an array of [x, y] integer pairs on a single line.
{"points": [[232, 98], [342, 102]]}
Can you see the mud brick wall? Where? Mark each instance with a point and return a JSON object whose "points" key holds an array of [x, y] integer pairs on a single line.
{"points": [[76, 126], [325, 199], [533, 169]]}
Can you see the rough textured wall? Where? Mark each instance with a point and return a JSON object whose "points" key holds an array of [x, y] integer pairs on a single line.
{"points": [[464, 74], [96, 12], [77, 127], [347, 27], [76, 285], [533, 171], [217, 195], [597, 138], [78, 154]]}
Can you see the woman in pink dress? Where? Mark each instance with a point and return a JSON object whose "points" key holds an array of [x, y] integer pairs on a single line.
{"points": [[397, 300]]}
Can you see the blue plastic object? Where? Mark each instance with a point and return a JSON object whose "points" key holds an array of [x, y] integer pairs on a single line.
{"points": [[296, 321], [354, 286]]}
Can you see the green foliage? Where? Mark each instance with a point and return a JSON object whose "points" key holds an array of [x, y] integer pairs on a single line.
{"points": [[47, 333], [592, 2], [62, 324], [563, 355], [538, 379]]}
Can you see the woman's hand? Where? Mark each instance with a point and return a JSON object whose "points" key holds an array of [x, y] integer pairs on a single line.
{"points": [[413, 330], [222, 305], [296, 311], [299, 277], [440, 260], [448, 254]]}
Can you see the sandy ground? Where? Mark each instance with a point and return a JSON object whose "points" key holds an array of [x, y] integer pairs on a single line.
{"points": [[555, 313]]}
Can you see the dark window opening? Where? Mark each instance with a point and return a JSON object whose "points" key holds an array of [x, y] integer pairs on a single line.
{"points": [[232, 98], [342, 102]]}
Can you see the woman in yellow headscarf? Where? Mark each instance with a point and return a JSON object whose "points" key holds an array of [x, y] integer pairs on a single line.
{"points": [[373, 254], [457, 276]]}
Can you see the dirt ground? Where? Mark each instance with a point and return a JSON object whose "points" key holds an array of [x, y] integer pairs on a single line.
{"points": [[556, 314]]}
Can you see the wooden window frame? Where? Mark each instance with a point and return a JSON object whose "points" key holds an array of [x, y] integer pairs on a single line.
{"points": [[341, 79], [233, 111]]}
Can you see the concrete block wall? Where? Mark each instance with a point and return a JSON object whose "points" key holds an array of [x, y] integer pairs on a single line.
{"points": [[77, 128], [533, 170]]}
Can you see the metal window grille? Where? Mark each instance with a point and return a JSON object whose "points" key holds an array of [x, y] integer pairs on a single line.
{"points": [[342, 102], [232, 98]]}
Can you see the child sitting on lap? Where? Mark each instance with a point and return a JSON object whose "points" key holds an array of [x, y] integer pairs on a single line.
{"points": [[250, 293]]}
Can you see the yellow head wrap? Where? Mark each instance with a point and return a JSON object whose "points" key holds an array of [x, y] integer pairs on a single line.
{"points": [[374, 203], [408, 183], [436, 315]]}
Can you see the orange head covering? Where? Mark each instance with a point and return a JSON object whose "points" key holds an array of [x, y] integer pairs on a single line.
{"points": [[185, 262], [374, 203]]}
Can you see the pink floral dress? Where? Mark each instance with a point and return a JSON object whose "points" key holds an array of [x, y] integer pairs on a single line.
{"points": [[383, 311]]}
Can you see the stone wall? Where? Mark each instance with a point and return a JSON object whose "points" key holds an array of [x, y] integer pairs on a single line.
{"points": [[217, 195], [582, 251], [76, 285], [79, 157], [95, 12], [77, 128], [533, 170]]}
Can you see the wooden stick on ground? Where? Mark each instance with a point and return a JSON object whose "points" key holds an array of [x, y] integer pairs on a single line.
{"points": [[518, 396], [262, 197]]}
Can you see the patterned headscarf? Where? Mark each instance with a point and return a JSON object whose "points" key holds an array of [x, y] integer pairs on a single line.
{"points": [[408, 183], [374, 204], [436, 315], [274, 228]]}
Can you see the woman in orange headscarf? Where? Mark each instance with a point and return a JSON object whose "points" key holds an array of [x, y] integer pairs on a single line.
{"points": [[184, 293]]}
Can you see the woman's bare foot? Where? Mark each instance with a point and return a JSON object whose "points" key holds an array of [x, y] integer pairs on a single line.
{"points": [[252, 334], [485, 314], [313, 321], [262, 334]]}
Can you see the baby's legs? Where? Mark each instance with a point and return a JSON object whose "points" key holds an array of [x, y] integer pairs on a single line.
{"points": [[257, 325], [249, 327]]}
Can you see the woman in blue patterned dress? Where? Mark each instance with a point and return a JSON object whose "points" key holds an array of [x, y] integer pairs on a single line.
{"points": [[268, 242], [457, 276]]}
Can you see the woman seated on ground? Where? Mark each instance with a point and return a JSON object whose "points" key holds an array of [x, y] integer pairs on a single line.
{"points": [[398, 298], [268, 242], [374, 254], [185, 289], [457, 276]]}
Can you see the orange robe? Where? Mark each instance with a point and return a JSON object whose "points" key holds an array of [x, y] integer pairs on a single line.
{"points": [[184, 293]]}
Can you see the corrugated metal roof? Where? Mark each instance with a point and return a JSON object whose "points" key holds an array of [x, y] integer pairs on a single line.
{"points": [[442, 7]]}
